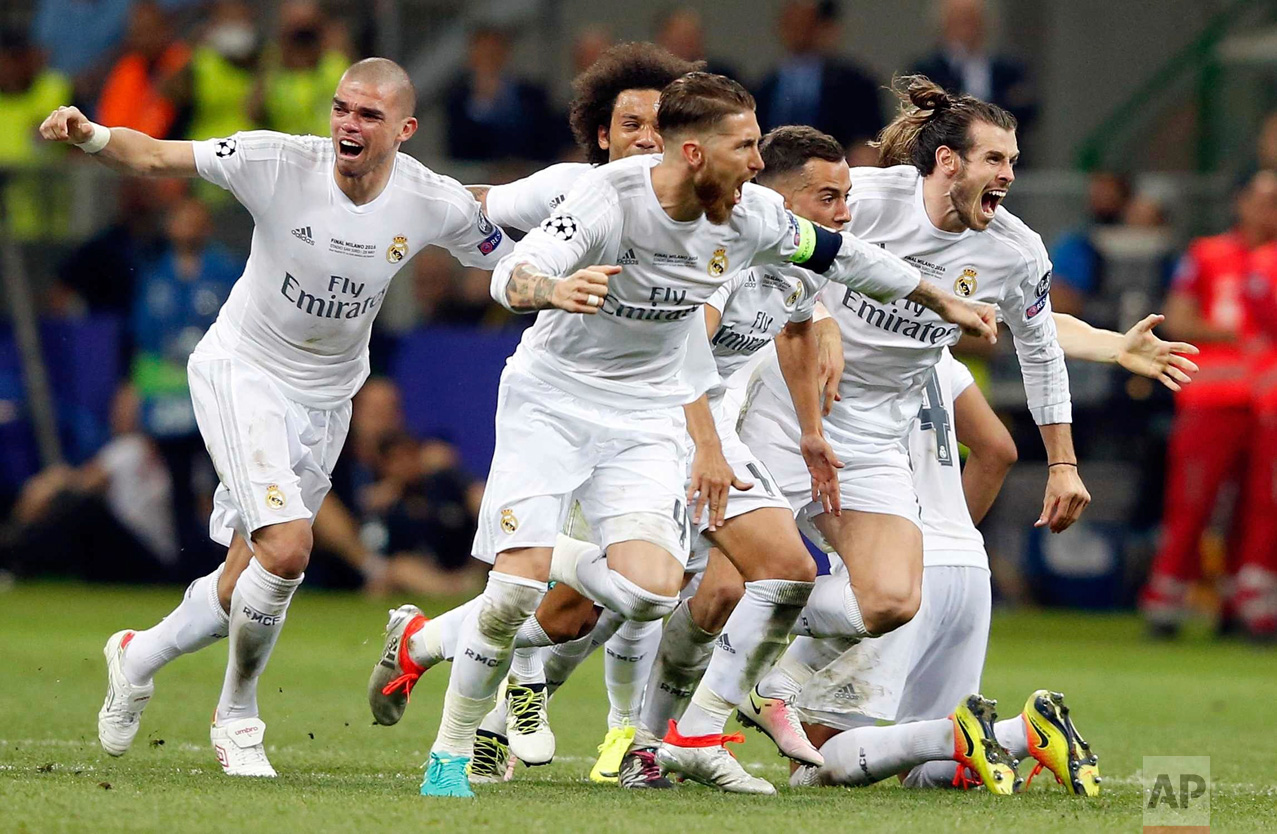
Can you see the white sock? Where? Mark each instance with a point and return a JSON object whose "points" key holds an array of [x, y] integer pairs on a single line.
{"points": [[706, 715], [803, 659], [831, 611], [531, 635], [561, 660], [198, 621], [437, 639], [568, 555], [482, 658], [627, 663], [1011, 734], [527, 667], [257, 617], [494, 721], [684, 653], [616, 593], [932, 775], [754, 636], [870, 754]]}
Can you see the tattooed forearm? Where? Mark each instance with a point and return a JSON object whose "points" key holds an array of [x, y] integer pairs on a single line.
{"points": [[528, 289], [928, 295]]}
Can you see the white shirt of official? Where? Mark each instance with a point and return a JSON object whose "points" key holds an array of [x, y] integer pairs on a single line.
{"points": [[319, 266]]}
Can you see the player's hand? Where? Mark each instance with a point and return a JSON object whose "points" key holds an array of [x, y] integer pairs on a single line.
{"points": [[1145, 354], [975, 318], [831, 361], [712, 479], [584, 290], [67, 124], [1066, 497], [823, 465]]}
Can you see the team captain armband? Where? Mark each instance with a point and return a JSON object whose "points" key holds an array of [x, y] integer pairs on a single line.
{"points": [[817, 246]]}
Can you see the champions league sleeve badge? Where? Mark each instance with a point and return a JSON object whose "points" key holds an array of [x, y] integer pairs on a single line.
{"points": [[561, 226]]}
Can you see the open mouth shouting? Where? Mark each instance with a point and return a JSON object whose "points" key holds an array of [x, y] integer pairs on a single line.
{"points": [[990, 200], [349, 148]]}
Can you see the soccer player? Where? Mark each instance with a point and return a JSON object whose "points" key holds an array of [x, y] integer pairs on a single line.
{"points": [[916, 674], [613, 116], [272, 380], [938, 207], [590, 406]]}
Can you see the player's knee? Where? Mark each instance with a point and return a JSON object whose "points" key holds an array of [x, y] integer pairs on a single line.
{"points": [[889, 608], [284, 549], [797, 566], [569, 625], [712, 605]]}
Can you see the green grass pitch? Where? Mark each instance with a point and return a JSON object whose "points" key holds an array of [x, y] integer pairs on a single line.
{"points": [[1130, 698]]}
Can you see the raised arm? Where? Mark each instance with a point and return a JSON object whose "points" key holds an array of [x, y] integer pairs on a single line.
{"points": [[120, 148]]}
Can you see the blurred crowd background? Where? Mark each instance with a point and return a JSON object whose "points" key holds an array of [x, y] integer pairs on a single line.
{"points": [[1143, 125]]}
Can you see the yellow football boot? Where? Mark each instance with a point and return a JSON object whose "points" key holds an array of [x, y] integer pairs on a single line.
{"points": [[611, 751], [1057, 746], [976, 747]]}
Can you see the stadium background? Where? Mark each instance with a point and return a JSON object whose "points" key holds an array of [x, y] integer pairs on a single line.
{"points": [[102, 478]]}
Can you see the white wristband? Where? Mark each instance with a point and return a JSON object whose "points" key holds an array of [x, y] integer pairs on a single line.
{"points": [[101, 135]]}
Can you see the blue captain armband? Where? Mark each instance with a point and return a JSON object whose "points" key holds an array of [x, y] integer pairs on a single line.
{"points": [[817, 246]]}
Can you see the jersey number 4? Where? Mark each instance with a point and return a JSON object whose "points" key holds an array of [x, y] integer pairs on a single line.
{"points": [[933, 417]]}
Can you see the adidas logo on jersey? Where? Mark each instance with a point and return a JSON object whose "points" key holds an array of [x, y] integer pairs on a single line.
{"points": [[303, 233], [627, 258]]}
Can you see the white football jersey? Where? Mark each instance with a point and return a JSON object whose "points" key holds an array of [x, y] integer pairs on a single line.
{"points": [[756, 305], [319, 265], [524, 203], [630, 353], [948, 535], [890, 348]]}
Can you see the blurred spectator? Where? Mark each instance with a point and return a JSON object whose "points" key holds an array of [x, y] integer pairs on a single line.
{"points": [[135, 93], [109, 520], [963, 63], [1077, 265], [78, 34], [219, 83], [493, 115], [434, 275], [302, 71], [428, 507], [99, 275], [588, 45], [814, 87], [1224, 425], [177, 298], [680, 30], [34, 207]]}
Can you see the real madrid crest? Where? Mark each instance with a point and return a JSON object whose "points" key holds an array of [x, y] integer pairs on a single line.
{"points": [[508, 522], [718, 264], [965, 284], [274, 497], [398, 250]]}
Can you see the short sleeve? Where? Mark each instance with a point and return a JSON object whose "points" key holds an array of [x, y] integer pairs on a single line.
{"points": [[724, 293], [247, 164], [467, 232], [525, 203]]}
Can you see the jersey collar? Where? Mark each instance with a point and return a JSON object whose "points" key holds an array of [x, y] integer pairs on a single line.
{"points": [[339, 197]]}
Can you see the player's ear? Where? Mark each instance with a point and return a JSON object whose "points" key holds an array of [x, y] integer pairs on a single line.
{"points": [[693, 153], [947, 160], [408, 129], [605, 141]]}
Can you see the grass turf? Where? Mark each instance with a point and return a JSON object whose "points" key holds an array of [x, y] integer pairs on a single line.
{"points": [[1130, 698]]}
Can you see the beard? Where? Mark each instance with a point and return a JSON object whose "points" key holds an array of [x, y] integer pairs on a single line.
{"points": [[965, 196], [715, 198]]}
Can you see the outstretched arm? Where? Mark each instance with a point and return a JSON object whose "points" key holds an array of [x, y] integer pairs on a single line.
{"points": [[1137, 350], [120, 148]]}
